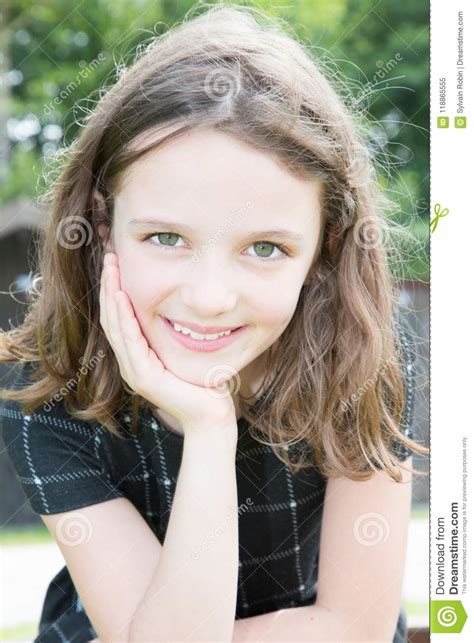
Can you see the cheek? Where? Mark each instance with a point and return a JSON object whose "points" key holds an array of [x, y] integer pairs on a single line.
{"points": [[145, 285], [273, 306]]}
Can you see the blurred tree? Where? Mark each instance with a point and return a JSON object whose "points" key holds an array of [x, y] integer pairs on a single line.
{"points": [[389, 42]]}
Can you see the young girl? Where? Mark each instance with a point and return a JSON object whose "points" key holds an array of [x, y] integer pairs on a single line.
{"points": [[215, 388]]}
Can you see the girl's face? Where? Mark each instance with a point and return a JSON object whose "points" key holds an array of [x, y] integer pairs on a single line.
{"points": [[220, 217]]}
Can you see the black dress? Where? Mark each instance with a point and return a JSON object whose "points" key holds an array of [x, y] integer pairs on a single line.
{"points": [[63, 464]]}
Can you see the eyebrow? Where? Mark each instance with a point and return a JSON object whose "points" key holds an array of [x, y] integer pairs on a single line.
{"points": [[146, 224]]}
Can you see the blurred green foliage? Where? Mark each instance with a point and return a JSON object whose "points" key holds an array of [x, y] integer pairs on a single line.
{"points": [[59, 53]]}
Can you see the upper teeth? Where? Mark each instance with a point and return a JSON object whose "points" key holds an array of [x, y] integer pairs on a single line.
{"points": [[187, 331]]}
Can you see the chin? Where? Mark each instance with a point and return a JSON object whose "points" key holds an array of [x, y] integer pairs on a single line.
{"points": [[182, 371], [205, 377]]}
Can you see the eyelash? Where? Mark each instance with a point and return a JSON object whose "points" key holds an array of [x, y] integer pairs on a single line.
{"points": [[280, 247]]}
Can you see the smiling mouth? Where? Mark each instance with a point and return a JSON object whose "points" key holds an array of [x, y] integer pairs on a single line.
{"points": [[202, 344], [187, 330]]}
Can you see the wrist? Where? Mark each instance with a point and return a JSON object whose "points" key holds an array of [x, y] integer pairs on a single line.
{"points": [[222, 433]]}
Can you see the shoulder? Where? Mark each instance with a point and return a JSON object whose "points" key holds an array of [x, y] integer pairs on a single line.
{"points": [[58, 459]]}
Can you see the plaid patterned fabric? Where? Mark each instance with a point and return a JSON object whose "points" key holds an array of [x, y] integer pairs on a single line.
{"points": [[64, 464]]}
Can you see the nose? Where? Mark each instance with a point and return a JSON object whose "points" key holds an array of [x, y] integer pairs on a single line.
{"points": [[208, 289]]}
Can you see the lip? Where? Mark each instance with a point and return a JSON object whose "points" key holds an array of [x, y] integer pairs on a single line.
{"points": [[204, 330], [202, 345]]}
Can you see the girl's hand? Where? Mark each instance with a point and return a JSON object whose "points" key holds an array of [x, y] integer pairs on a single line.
{"points": [[143, 371]]}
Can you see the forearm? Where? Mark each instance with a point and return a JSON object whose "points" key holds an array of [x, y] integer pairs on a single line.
{"points": [[193, 593], [308, 623]]}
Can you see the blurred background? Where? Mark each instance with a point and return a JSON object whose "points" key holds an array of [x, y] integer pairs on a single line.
{"points": [[55, 59]]}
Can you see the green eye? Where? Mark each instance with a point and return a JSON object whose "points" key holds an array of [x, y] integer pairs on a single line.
{"points": [[167, 236], [165, 239], [266, 248]]}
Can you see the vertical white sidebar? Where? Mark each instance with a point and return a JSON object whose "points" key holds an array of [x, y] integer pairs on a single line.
{"points": [[452, 327]]}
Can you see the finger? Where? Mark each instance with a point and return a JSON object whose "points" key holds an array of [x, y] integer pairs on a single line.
{"points": [[131, 346], [135, 342], [111, 283], [110, 258], [103, 307], [147, 371], [131, 330]]}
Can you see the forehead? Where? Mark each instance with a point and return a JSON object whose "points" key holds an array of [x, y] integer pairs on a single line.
{"points": [[207, 171]]}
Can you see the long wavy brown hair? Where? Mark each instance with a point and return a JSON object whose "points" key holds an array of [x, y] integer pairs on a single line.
{"points": [[235, 69]]}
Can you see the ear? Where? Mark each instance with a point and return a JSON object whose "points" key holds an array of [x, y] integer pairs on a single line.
{"points": [[105, 232], [106, 238]]}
